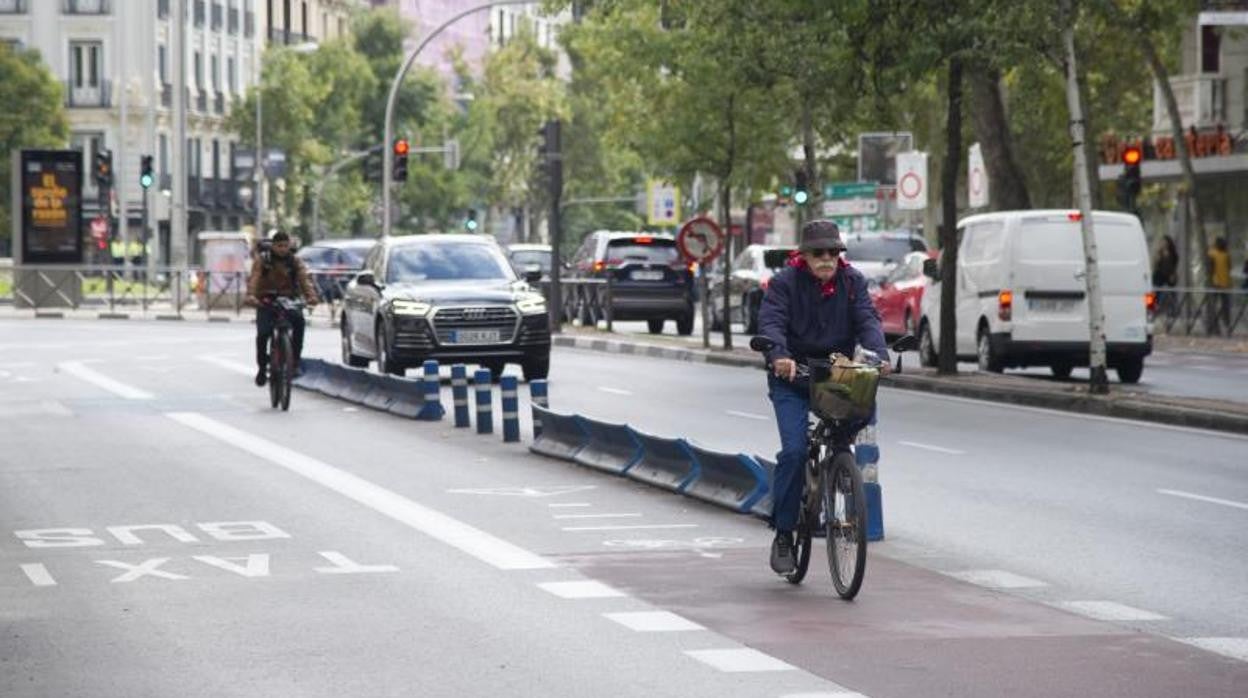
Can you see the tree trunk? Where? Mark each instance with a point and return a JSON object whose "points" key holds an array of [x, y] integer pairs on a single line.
{"points": [[1089, 146], [1008, 187], [948, 351]]}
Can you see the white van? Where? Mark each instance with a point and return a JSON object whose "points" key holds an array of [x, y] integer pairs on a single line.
{"points": [[1021, 293]]}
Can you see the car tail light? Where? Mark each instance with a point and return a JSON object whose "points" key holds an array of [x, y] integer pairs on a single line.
{"points": [[643, 240], [1005, 305], [1074, 216]]}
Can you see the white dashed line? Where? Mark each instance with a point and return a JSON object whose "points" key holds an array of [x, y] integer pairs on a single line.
{"points": [[742, 660], [598, 516], [929, 447], [1203, 498], [1109, 611], [748, 415], [581, 590], [614, 391], [997, 579], [99, 380], [1233, 647], [628, 528], [569, 505], [653, 622]]}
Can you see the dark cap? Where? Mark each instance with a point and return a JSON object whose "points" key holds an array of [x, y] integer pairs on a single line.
{"points": [[821, 234]]}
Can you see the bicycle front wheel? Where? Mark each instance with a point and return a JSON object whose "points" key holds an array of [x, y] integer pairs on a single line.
{"points": [[275, 370], [288, 369], [845, 507]]}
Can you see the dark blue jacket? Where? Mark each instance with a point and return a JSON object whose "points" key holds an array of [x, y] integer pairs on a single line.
{"points": [[805, 324]]}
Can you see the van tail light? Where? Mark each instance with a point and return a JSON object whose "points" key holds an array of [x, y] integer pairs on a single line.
{"points": [[1074, 216], [1005, 305], [599, 266], [1150, 304]]}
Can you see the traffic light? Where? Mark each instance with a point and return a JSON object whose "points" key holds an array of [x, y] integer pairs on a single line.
{"points": [[401, 149], [104, 169], [1129, 182], [801, 188], [146, 174], [470, 223]]}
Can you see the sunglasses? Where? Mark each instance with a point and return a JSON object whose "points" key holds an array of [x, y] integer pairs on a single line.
{"points": [[824, 252]]}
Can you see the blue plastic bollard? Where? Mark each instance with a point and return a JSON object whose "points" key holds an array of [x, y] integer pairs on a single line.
{"points": [[537, 396], [459, 395], [510, 389], [485, 399], [433, 391], [867, 455]]}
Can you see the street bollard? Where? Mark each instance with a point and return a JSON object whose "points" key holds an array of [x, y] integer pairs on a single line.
{"points": [[537, 396], [459, 393], [867, 455], [509, 386], [485, 410], [433, 391]]}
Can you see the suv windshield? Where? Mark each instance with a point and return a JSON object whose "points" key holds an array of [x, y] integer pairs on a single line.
{"points": [[655, 250], [523, 258], [879, 249], [449, 262]]}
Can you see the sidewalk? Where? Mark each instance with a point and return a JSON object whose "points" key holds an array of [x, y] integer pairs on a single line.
{"points": [[1123, 403]]}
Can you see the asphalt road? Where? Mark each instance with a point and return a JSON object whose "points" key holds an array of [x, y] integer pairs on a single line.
{"points": [[204, 545], [1180, 374]]}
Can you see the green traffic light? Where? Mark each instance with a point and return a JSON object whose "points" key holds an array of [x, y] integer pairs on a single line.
{"points": [[801, 197], [471, 225], [145, 181], [786, 191]]}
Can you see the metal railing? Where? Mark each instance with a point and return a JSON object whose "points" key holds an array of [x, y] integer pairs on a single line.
{"points": [[99, 95], [586, 302], [1201, 311]]}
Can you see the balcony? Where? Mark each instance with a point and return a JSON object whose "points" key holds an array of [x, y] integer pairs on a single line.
{"points": [[88, 96], [86, 7], [218, 17], [218, 103], [12, 7], [289, 38], [1201, 98]]}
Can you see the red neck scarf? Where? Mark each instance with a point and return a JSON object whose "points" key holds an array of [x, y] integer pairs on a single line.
{"points": [[827, 288]]}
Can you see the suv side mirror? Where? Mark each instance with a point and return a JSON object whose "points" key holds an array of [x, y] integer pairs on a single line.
{"points": [[366, 278], [533, 274], [931, 269]]}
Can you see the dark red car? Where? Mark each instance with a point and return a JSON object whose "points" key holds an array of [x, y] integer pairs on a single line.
{"points": [[900, 295]]}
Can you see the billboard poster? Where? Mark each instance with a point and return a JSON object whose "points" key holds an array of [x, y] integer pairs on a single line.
{"points": [[51, 193]]}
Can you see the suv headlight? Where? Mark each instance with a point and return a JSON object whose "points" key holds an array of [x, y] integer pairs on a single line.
{"points": [[532, 306], [410, 308]]}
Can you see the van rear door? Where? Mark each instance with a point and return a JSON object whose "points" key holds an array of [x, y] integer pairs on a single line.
{"points": [[1050, 289]]}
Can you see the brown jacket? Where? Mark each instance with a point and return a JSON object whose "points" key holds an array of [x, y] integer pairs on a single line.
{"points": [[277, 279]]}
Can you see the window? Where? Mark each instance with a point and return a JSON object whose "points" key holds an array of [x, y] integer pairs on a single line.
{"points": [[231, 79], [162, 62], [164, 156], [1210, 50], [216, 74], [216, 159], [303, 19], [324, 25], [199, 70], [84, 64]]}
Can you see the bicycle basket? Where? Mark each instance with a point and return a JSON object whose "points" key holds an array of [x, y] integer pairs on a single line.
{"points": [[848, 392]]}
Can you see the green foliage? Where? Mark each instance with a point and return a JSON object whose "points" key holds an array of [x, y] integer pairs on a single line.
{"points": [[33, 115]]}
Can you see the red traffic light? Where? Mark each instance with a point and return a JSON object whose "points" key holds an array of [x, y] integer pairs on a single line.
{"points": [[1132, 155], [401, 147]]}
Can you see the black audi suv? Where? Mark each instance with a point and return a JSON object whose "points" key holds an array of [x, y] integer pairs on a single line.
{"points": [[452, 298]]}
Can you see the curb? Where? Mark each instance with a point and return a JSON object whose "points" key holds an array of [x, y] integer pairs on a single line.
{"points": [[1211, 415]]}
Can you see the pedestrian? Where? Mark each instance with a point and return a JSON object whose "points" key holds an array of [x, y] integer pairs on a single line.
{"points": [[1166, 274], [1220, 282]]}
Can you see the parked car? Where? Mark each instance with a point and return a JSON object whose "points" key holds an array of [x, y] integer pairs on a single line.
{"points": [[899, 297], [1021, 293], [751, 272], [452, 298], [877, 254], [526, 257], [333, 263], [649, 279]]}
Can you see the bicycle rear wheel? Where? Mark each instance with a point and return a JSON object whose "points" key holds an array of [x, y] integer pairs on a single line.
{"points": [[275, 370], [288, 369], [801, 551], [845, 507]]}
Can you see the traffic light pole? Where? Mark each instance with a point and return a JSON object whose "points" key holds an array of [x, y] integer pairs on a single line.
{"points": [[388, 159]]}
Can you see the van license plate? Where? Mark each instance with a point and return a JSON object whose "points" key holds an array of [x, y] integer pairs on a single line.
{"points": [[1051, 305], [647, 275], [475, 336]]}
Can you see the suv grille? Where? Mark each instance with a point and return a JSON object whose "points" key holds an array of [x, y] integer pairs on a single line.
{"points": [[501, 318]]}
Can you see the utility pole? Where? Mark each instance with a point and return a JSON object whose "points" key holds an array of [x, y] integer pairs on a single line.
{"points": [[178, 215], [1099, 382]]}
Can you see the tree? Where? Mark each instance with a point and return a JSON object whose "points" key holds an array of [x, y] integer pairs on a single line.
{"points": [[33, 115]]}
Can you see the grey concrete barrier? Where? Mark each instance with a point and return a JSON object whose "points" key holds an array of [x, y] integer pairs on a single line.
{"points": [[563, 435], [313, 374], [398, 396], [336, 381], [762, 508], [409, 398], [665, 463], [733, 480], [357, 385], [380, 393], [611, 448]]}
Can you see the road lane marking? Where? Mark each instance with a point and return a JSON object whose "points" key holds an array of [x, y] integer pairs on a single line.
{"points": [[580, 590], [99, 380], [1203, 498], [598, 516], [749, 415], [473, 541], [653, 622], [154, 357], [614, 391], [736, 661], [228, 365], [345, 565], [929, 447], [569, 505], [1233, 647], [997, 579], [627, 528], [39, 575], [147, 568], [1109, 611]]}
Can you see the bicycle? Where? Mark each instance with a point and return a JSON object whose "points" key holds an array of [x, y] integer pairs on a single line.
{"points": [[281, 351], [833, 496]]}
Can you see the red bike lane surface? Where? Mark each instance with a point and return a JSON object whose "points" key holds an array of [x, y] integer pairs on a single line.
{"points": [[913, 633]]}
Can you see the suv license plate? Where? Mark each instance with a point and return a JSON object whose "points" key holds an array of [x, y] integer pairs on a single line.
{"points": [[475, 336], [647, 276]]}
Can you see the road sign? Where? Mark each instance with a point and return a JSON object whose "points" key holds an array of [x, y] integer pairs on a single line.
{"points": [[851, 207], [850, 190], [700, 240], [977, 178], [662, 203], [912, 181]]}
